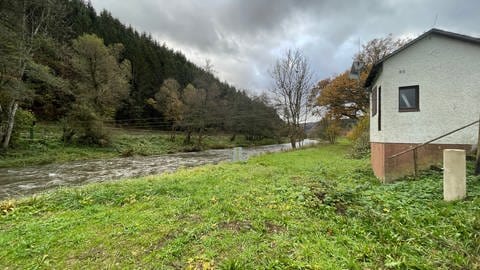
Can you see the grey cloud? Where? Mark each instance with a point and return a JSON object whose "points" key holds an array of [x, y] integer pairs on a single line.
{"points": [[243, 38]]}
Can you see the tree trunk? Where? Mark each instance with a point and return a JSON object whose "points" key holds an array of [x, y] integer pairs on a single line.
{"points": [[477, 163], [293, 142], [172, 135], [188, 137], [200, 137], [12, 110], [294, 135], [2, 125]]}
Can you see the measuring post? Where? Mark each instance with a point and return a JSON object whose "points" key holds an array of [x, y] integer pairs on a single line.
{"points": [[415, 163], [454, 174], [237, 154], [477, 161]]}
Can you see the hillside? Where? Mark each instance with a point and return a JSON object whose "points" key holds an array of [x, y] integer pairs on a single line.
{"points": [[66, 64]]}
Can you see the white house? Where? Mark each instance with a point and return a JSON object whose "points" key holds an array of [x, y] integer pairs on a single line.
{"points": [[421, 91]]}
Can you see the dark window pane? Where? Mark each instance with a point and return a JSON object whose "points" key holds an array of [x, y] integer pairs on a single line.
{"points": [[379, 109], [374, 101], [408, 98]]}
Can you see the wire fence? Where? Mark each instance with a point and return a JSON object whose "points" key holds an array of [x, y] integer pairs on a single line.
{"points": [[416, 148], [152, 125]]}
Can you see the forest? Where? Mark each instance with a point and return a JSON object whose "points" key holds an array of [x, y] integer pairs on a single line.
{"points": [[62, 62]]}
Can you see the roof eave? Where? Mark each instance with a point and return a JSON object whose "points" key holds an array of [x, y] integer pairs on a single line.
{"points": [[378, 65], [373, 74]]}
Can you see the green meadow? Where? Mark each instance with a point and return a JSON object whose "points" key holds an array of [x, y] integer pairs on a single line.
{"points": [[309, 209]]}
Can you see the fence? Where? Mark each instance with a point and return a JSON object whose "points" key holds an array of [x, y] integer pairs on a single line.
{"points": [[415, 149]]}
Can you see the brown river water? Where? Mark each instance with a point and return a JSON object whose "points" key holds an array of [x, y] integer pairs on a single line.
{"points": [[19, 182]]}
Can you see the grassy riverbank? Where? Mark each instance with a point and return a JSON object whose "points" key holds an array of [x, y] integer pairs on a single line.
{"points": [[47, 146], [309, 209]]}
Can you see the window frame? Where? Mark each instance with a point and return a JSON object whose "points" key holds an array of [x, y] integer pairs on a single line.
{"points": [[417, 98], [379, 109]]}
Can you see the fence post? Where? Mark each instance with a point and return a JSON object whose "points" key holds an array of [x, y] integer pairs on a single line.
{"points": [[454, 174], [32, 131], [237, 154], [477, 162], [415, 163]]}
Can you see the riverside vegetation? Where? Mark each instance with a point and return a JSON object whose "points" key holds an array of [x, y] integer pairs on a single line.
{"points": [[309, 209], [63, 62], [47, 146]]}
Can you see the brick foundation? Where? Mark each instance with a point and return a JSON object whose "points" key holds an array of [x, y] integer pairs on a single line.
{"points": [[389, 169]]}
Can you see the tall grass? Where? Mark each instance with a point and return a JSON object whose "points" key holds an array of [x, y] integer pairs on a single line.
{"points": [[309, 209]]}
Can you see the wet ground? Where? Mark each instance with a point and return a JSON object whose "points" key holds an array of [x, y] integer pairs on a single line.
{"points": [[17, 182]]}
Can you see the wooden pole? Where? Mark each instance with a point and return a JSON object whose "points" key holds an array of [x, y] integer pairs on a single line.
{"points": [[477, 163], [437, 138], [415, 163]]}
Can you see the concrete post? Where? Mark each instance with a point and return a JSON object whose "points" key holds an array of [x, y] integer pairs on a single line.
{"points": [[477, 160], [237, 154], [454, 174]]}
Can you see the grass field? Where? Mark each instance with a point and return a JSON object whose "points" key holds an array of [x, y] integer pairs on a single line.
{"points": [[308, 209], [47, 146]]}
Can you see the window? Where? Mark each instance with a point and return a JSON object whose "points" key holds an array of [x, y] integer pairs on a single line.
{"points": [[379, 108], [408, 99], [374, 101]]}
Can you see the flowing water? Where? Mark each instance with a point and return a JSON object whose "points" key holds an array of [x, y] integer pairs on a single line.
{"points": [[17, 182]]}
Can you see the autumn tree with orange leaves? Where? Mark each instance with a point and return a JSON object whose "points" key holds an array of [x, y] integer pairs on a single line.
{"points": [[343, 97]]}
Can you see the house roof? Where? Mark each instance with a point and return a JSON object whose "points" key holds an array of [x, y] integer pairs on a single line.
{"points": [[378, 65]]}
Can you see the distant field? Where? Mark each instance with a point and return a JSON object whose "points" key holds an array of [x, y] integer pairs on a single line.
{"points": [[47, 146], [307, 209]]}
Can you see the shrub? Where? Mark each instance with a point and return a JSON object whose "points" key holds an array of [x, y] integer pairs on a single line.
{"points": [[94, 134], [329, 129], [361, 127], [23, 123], [361, 146], [7, 207], [360, 136], [87, 125]]}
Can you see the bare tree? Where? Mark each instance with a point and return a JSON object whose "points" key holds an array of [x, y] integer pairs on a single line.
{"points": [[208, 67], [378, 48], [292, 78]]}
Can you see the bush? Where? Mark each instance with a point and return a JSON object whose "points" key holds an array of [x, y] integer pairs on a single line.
{"points": [[88, 127], [329, 129], [361, 146], [359, 129], [94, 134], [360, 136], [23, 123]]}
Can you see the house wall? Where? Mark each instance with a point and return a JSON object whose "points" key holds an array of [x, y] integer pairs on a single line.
{"points": [[448, 74], [377, 157], [389, 169]]}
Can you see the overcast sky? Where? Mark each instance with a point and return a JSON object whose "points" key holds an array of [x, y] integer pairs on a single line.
{"points": [[243, 38]]}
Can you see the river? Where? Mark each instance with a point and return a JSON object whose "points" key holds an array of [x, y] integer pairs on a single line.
{"points": [[18, 182]]}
